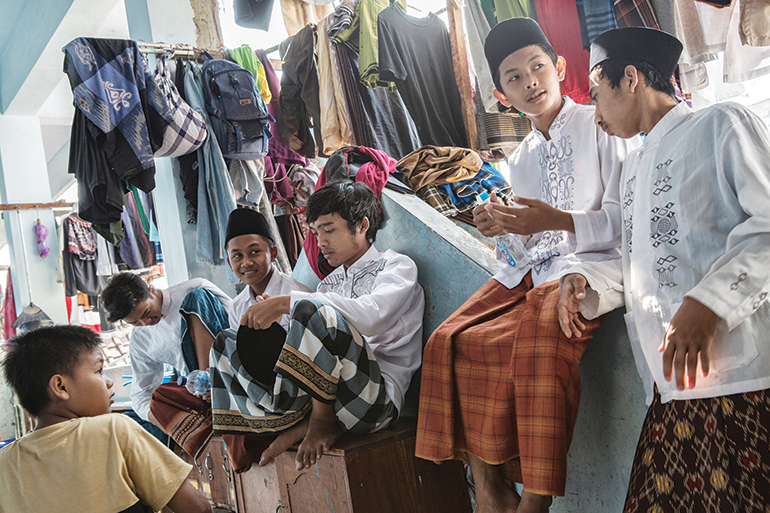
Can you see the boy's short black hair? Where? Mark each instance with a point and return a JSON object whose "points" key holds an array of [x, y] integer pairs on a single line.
{"points": [[33, 357], [549, 51], [614, 69], [122, 294], [353, 201]]}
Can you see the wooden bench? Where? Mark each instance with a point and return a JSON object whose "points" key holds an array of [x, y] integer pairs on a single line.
{"points": [[375, 473]]}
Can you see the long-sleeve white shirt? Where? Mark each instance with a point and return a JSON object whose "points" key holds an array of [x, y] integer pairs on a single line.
{"points": [[153, 346], [577, 170], [280, 284], [380, 297], [696, 211]]}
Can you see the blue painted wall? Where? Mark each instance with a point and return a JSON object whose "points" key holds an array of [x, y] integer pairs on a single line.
{"points": [[33, 30]]}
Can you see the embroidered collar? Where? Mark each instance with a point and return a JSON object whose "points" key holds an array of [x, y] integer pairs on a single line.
{"points": [[564, 115], [667, 123]]}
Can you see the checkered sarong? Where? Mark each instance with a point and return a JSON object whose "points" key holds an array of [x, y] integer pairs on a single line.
{"points": [[501, 381], [635, 13], [703, 455], [323, 358], [188, 129]]}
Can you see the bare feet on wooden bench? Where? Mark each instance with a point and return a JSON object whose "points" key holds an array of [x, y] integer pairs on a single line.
{"points": [[285, 440], [323, 430]]}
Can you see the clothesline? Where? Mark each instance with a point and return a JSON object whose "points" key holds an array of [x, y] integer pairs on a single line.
{"points": [[193, 53]]}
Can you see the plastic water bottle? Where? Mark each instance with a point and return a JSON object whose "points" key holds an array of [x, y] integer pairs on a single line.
{"points": [[509, 244], [197, 382]]}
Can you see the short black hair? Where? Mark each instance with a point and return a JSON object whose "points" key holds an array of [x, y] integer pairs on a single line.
{"points": [[549, 51], [353, 201], [122, 294], [35, 356], [614, 70]]}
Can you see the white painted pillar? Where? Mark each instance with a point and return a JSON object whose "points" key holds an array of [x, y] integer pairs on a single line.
{"points": [[24, 179], [171, 21]]}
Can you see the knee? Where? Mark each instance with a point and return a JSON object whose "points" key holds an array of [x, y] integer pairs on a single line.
{"points": [[304, 310]]}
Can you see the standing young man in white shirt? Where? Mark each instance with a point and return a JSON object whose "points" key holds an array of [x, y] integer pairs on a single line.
{"points": [[695, 275], [352, 346], [250, 254], [500, 383]]}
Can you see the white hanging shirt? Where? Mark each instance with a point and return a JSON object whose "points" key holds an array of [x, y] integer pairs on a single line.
{"points": [[380, 297], [696, 211], [152, 346], [280, 284], [576, 171]]}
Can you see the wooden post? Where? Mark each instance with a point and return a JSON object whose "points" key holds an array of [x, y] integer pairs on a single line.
{"points": [[462, 73]]}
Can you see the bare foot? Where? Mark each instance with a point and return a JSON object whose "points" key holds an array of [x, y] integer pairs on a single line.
{"points": [[283, 441], [493, 494], [323, 430], [534, 503]]}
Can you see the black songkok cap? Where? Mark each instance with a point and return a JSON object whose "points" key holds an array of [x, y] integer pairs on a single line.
{"points": [[507, 37], [655, 47], [246, 221]]}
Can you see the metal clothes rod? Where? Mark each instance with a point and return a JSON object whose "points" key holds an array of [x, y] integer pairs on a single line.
{"points": [[31, 206]]}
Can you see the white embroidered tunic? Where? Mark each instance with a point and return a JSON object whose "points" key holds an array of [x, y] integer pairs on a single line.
{"points": [[696, 214], [152, 346], [280, 284], [380, 297], [576, 171]]}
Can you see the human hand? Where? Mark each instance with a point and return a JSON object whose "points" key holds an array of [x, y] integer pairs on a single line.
{"points": [[689, 335], [484, 222], [573, 291], [262, 297], [265, 312], [536, 216]]}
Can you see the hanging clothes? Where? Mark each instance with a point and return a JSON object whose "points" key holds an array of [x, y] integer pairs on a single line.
{"points": [[79, 259], [253, 14], [378, 117], [279, 157], [477, 28], [124, 115], [596, 17], [560, 24], [755, 23], [336, 131], [188, 164], [216, 198], [635, 13], [421, 77], [300, 108], [366, 24], [9, 309], [247, 59], [506, 9], [297, 14]]}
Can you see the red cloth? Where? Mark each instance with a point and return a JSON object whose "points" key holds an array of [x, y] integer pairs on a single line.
{"points": [[375, 175], [561, 25], [9, 310]]}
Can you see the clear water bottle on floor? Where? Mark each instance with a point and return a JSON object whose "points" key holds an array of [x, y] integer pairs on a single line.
{"points": [[197, 382], [509, 244]]}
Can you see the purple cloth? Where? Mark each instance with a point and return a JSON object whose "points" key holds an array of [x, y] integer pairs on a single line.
{"points": [[279, 157]]}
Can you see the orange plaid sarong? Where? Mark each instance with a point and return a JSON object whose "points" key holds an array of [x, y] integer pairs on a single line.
{"points": [[501, 381]]}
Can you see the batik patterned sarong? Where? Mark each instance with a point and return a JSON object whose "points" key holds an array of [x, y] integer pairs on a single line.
{"points": [[704, 455]]}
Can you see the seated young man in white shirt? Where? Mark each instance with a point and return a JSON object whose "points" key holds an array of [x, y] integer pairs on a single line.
{"points": [[694, 277], [250, 254], [352, 346]]}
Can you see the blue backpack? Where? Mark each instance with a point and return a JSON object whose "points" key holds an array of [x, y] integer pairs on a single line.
{"points": [[239, 116]]}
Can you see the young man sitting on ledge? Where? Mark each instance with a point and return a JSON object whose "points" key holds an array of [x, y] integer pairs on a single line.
{"points": [[351, 349]]}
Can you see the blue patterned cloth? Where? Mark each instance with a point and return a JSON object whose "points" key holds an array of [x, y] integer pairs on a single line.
{"points": [[112, 86], [208, 308], [463, 194]]}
